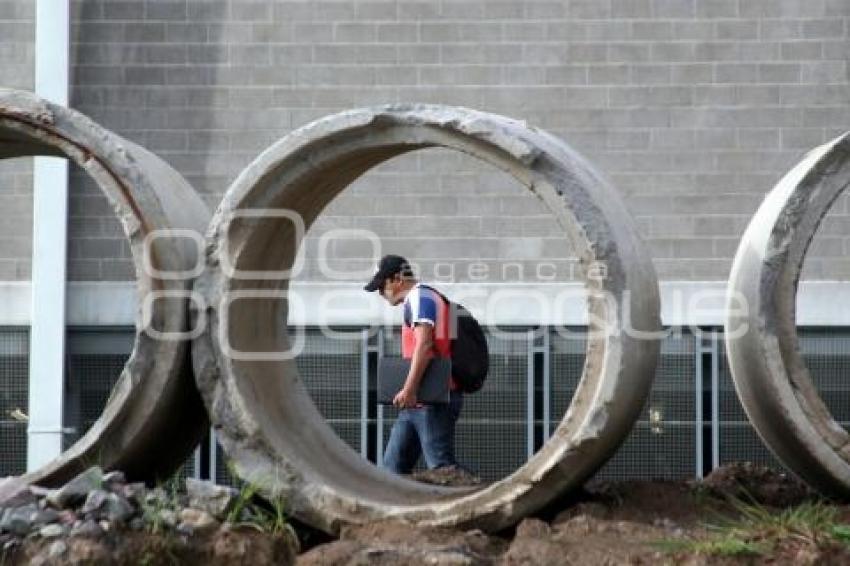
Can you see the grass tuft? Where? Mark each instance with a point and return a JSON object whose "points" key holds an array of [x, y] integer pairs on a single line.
{"points": [[755, 529]]}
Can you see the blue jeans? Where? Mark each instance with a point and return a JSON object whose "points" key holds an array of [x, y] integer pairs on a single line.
{"points": [[428, 430]]}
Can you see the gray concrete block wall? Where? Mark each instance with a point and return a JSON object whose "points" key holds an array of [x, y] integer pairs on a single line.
{"points": [[17, 38], [693, 109]]}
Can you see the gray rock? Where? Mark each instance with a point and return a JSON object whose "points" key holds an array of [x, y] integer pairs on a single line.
{"points": [[137, 524], [114, 479], [95, 501], [196, 521], [14, 492], [45, 516], [38, 491], [117, 508], [53, 531], [76, 490], [87, 528], [111, 507], [134, 492], [18, 520], [67, 517], [217, 500], [57, 549]]}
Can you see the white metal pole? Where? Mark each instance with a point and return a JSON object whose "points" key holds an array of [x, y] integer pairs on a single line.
{"points": [[50, 213]]}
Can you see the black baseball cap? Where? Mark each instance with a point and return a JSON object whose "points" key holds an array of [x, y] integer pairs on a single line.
{"points": [[388, 266]]}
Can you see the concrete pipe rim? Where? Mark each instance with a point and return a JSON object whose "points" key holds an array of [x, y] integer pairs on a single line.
{"points": [[768, 370], [31, 126], [294, 174]]}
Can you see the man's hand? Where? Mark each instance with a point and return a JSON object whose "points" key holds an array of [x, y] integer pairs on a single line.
{"points": [[405, 399]]}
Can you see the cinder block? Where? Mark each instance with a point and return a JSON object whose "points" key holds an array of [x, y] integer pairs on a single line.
{"points": [[692, 73], [418, 54], [711, 269], [693, 30], [334, 10], [501, 10], [755, 138], [717, 9], [84, 270], [802, 50], [375, 10], [312, 32], [638, 9], [546, 9], [609, 75], [394, 32], [170, 10], [757, 95], [145, 32], [801, 138], [117, 270], [779, 72], [355, 32], [248, 10], [809, 95], [717, 51], [589, 9], [780, 29], [650, 74], [205, 10], [437, 32], [737, 73], [668, 9], [760, 51], [124, 10], [737, 29], [628, 52], [673, 52], [822, 29], [518, 30], [462, 10], [250, 55], [587, 52]]}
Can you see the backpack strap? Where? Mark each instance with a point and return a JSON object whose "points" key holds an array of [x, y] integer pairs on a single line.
{"points": [[410, 325], [442, 296], [450, 311]]}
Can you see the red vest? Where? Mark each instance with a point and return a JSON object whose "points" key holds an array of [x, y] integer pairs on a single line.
{"points": [[442, 338]]}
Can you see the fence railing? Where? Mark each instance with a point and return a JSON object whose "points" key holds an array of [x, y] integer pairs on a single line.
{"points": [[691, 423]]}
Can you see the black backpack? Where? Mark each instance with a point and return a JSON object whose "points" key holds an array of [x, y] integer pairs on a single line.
{"points": [[470, 357]]}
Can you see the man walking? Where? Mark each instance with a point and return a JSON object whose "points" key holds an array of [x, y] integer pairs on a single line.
{"points": [[419, 429]]}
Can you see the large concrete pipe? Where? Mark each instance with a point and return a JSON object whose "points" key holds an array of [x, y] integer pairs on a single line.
{"points": [[259, 406], [154, 416], [770, 375]]}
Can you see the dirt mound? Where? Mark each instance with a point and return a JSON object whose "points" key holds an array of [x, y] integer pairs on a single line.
{"points": [[633, 522], [752, 483], [226, 547], [396, 542]]}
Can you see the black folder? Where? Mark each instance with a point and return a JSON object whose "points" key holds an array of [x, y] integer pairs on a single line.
{"points": [[433, 388]]}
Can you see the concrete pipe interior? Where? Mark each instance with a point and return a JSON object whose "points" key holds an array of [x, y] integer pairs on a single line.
{"points": [[769, 372], [154, 398], [263, 414]]}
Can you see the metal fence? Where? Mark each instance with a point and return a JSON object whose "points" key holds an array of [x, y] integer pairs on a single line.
{"points": [[692, 420], [14, 401]]}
